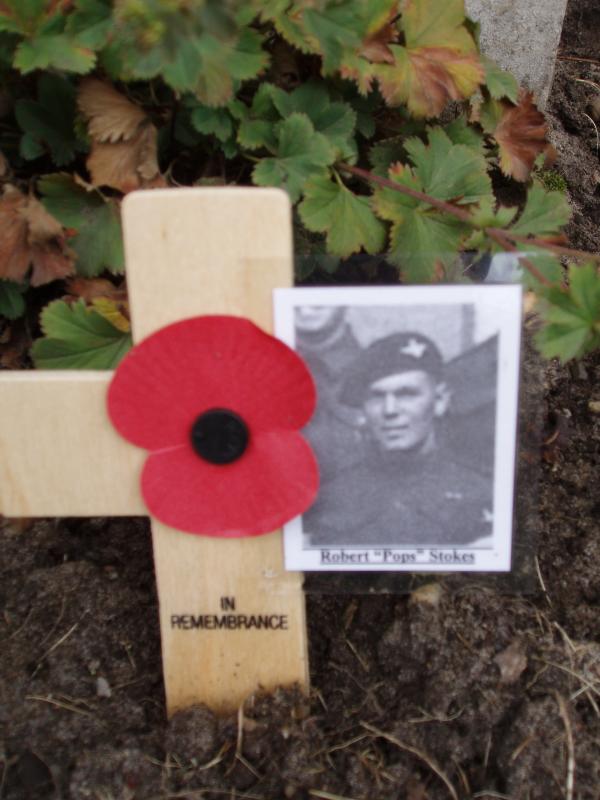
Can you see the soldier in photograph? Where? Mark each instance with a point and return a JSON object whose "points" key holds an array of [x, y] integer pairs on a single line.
{"points": [[407, 489], [327, 344]]}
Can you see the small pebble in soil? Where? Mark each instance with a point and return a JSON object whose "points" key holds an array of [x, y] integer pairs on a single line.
{"points": [[103, 688]]}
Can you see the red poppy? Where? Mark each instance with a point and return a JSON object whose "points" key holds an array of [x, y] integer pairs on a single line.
{"points": [[218, 403]]}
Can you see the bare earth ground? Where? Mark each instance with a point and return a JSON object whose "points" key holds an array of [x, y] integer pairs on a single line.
{"points": [[459, 690]]}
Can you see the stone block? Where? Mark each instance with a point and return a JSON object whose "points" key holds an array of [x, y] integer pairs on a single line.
{"points": [[522, 36]]}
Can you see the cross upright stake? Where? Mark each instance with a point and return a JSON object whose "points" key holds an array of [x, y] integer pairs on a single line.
{"points": [[188, 252]]}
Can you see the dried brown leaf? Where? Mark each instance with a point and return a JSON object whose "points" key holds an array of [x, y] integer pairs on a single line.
{"points": [[376, 45], [127, 165], [89, 289], [30, 236], [111, 116], [42, 225], [521, 136], [427, 78], [14, 248], [51, 261]]}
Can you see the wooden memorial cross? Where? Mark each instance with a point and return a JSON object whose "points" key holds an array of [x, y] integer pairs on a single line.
{"points": [[189, 252]]}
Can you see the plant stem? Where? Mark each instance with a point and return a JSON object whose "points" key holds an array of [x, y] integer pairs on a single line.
{"points": [[442, 205], [497, 234], [555, 248]]}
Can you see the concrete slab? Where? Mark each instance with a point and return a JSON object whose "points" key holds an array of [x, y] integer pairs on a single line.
{"points": [[522, 36]]}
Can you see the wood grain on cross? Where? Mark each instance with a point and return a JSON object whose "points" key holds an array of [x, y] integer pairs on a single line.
{"points": [[188, 252]]}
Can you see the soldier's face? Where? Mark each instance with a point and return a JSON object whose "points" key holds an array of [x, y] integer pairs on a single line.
{"points": [[401, 409]]}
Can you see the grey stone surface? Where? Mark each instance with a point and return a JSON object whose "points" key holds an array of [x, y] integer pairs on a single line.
{"points": [[522, 36]]}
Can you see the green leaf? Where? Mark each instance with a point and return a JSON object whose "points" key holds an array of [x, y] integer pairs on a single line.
{"points": [[423, 238], [58, 51], [347, 219], [545, 262], [490, 114], [257, 123], [584, 288], [460, 132], [12, 303], [30, 147], [499, 82], [301, 153], [365, 107], [48, 123], [98, 241], [572, 316], [213, 68], [385, 153], [212, 120], [22, 16], [289, 26], [337, 29], [335, 120], [224, 66], [544, 214], [419, 245], [76, 337], [90, 23], [310, 252], [202, 48], [488, 216], [448, 171]]}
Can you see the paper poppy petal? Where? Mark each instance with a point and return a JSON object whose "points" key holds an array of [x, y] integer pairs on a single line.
{"points": [[177, 373], [275, 480]]}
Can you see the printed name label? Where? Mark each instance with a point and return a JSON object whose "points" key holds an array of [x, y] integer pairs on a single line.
{"points": [[390, 556]]}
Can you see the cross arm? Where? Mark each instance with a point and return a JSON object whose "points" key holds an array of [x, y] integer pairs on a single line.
{"points": [[59, 454]]}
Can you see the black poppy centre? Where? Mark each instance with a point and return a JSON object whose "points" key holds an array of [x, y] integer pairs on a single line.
{"points": [[219, 436]]}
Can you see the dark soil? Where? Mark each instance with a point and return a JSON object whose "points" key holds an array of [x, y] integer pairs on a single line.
{"points": [[458, 690]]}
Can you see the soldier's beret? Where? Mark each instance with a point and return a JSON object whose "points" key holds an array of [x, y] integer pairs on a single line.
{"points": [[399, 352]]}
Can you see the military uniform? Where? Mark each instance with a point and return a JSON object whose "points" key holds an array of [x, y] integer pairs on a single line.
{"points": [[411, 494], [399, 499]]}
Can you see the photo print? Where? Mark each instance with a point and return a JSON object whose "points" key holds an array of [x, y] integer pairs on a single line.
{"points": [[415, 426]]}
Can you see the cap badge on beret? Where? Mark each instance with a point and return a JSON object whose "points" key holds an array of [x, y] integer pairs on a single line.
{"points": [[414, 348]]}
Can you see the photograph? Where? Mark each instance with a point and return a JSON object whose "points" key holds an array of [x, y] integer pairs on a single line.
{"points": [[415, 426]]}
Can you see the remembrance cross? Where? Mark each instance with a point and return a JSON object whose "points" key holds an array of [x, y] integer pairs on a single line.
{"points": [[189, 252]]}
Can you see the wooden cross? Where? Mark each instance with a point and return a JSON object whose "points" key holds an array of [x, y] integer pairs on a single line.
{"points": [[188, 252]]}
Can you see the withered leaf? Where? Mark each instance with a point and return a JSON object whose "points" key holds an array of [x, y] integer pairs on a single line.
{"points": [[89, 289], [376, 46], [111, 116], [30, 236], [427, 78], [124, 140], [14, 249], [42, 225], [116, 313], [438, 61], [521, 136], [127, 165]]}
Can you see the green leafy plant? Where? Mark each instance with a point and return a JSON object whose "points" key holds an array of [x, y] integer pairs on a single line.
{"points": [[380, 118], [77, 337]]}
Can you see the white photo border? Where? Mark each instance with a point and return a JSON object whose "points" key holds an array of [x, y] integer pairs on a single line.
{"points": [[506, 300]]}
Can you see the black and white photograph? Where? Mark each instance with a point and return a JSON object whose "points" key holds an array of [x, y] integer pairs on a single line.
{"points": [[415, 426]]}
